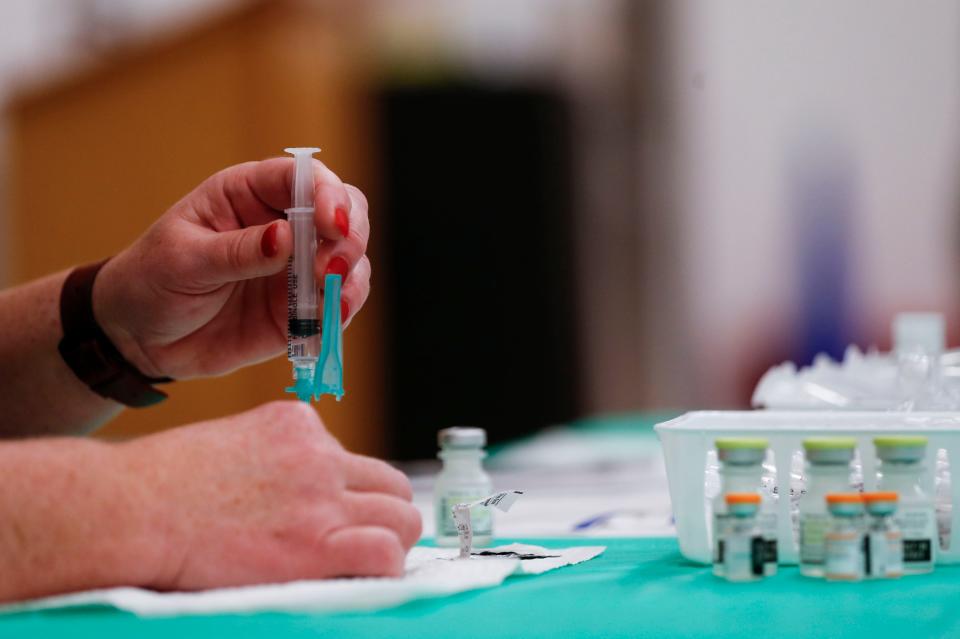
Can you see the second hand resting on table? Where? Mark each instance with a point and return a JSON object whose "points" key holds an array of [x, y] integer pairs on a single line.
{"points": [[267, 495]]}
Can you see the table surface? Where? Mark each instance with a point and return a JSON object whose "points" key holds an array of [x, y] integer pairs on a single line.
{"points": [[639, 587]]}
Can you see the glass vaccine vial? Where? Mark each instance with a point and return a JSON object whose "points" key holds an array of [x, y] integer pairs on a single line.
{"points": [[843, 542], [827, 471], [743, 545], [901, 470], [883, 551], [462, 479], [741, 471]]}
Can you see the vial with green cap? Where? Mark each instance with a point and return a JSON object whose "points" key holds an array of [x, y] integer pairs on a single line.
{"points": [[827, 471], [901, 470], [462, 480], [741, 470]]}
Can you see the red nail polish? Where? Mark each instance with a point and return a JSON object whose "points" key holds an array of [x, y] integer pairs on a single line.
{"points": [[342, 221], [344, 311], [268, 243], [337, 266]]}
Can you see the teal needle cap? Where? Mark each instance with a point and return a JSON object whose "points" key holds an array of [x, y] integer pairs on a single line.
{"points": [[303, 384], [328, 378]]}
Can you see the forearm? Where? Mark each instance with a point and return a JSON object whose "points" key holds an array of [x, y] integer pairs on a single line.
{"points": [[73, 519], [40, 394]]}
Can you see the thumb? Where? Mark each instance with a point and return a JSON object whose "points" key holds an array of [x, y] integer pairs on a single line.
{"points": [[256, 251]]}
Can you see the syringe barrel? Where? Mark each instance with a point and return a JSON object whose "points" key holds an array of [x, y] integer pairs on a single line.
{"points": [[303, 326], [301, 187]]}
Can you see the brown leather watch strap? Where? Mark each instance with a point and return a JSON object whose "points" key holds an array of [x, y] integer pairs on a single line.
{"points": [[89, 352]]}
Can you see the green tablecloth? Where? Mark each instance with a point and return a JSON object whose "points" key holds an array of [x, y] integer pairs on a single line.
{"points": [[638, 588]]}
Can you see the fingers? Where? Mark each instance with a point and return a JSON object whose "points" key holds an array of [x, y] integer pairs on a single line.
{"points": [[258, 192], [341, 254], [255, 194], [363, 551], [385, 511], [355, 291], [366, 474], [333, 204], [257, 251]]}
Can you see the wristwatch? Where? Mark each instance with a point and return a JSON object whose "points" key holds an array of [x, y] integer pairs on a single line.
{"points": [[89, 352]]}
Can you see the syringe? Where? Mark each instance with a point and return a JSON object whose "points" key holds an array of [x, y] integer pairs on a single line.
{"points": [[303, 327]]}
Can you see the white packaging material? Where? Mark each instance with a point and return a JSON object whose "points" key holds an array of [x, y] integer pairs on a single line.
{"points": [[461, 516], [872, 381], [430, 572], [688, 440]]}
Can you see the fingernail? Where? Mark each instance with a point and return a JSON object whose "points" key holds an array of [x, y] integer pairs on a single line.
{"points": [[337, 266], [268, 243], [342, 221], [344, 311]]}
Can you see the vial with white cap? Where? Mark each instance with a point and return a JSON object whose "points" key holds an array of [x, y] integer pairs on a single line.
{"points": [[741, 471], [901, 470], [827, 471], [462, 480]]}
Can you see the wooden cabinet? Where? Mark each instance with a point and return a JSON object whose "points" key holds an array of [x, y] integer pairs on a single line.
{"points": [[97, 155]]}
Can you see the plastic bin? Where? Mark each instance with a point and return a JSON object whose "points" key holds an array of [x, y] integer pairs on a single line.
{"points": [[686, 441]]}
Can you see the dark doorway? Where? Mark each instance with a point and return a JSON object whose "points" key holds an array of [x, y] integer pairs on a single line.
{"points": [[479, 262]]}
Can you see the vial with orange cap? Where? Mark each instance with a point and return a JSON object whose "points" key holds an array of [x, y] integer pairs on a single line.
{"points": [[844, 541], [742, 546], [883, 551], [827, 471]]}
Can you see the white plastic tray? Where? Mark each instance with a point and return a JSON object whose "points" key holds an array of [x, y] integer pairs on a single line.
{"points": [[687, 439]]}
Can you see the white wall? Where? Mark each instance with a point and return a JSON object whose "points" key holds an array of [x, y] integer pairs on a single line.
{"points": [[753, 81], [44, 38]]}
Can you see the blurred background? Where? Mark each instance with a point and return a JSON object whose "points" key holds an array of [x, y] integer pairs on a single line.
{"points": [[580, 207]]}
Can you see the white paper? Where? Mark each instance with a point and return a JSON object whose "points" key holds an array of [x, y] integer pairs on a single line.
{"points": [[430, 572]]}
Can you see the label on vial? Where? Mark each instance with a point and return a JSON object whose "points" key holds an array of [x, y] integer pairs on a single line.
{"points": [[768, 526], [894, 554], [480, 518], [882, 555], [720, 526], [917, 551], [813, 530], [767, 553], [844, 556], [918, 526], [742, 557], [758, 556]]}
